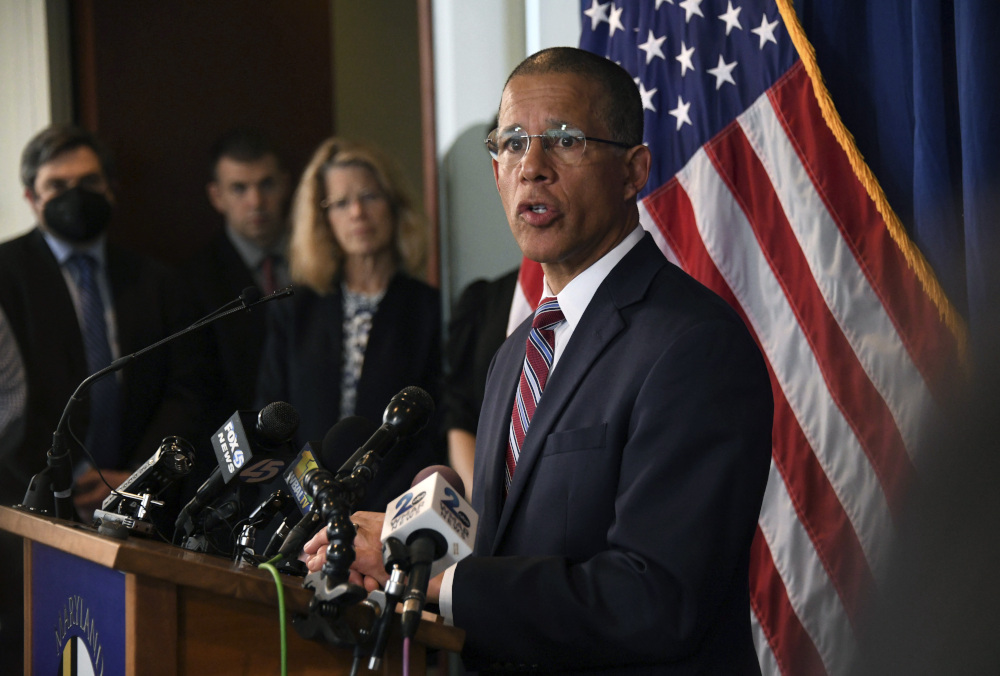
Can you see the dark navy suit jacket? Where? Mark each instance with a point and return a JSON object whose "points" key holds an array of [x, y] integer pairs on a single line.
{"points": [[216, 276], [623, 546]]}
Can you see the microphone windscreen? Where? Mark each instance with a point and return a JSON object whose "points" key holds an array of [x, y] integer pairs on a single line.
{"points": [[409, 410], [348, 435], [250, 295], [447, 473], [277, 422]]}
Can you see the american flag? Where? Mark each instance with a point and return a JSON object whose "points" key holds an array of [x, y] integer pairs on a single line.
{"points": [[758, 191]]}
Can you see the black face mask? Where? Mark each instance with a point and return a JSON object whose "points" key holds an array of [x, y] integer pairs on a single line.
{"points": [[77, 215]]}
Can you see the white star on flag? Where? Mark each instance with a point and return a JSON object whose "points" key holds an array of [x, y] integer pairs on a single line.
{"points": [[731, 17], [616, 20], [647, 97], [660, 2], [598, 12], [723, 72], [652, 47], [685, 58], [681, 113], [765, 31], [691, 7]]}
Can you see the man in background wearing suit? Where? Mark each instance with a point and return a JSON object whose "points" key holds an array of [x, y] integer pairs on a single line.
{"points": [[75, 302], [614, 535], [249, 187]]}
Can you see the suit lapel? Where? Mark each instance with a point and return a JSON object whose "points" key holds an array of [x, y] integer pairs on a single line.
{"points": [[491, 438]]}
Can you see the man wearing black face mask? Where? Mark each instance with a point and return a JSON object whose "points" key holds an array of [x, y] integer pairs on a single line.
{"points": [[74, 303]]}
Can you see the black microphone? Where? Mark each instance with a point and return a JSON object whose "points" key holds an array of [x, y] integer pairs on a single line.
{"points": [[406, 414], [234, 444], [277, 502], [58, 472], [351, 432]]}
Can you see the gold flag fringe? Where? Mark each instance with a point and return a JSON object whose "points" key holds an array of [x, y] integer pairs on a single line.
{"points": [[914, 258]]}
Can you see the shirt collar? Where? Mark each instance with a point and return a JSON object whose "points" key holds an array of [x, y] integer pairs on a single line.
{"points": [[62, 250], [252, 254], [576, 296]]}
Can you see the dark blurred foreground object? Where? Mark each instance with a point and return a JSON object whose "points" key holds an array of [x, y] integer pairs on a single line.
{"points": [[938, 611]]}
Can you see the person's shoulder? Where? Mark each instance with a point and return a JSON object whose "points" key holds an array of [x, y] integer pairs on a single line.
{"points": [[483, 289], [16, 246], [675, 295]]}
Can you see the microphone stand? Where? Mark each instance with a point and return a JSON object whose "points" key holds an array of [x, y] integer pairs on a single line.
{"points": [[58, 473]]}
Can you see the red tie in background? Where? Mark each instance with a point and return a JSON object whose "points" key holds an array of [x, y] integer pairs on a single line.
{"points": [[539, 349], [267, 275]]}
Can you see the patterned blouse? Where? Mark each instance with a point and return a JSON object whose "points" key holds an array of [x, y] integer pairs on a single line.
{"points": [[359, 310]]}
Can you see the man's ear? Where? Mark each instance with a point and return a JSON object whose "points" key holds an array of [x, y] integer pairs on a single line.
{"points": [[637, 163], [32, 199], [496, 173], [214, 192]]}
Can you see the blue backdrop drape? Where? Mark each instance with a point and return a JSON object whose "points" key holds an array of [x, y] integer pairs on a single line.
{"points": [[917, 82]]}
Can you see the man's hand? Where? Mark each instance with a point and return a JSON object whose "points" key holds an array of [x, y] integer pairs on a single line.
{"points": [[367, 570]]}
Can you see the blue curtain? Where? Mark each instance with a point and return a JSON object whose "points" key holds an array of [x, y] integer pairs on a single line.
{"points": [[917, 82]]}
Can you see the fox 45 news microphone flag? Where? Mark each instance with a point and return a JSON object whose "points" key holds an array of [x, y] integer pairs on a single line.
{"points": [[758, 191]]}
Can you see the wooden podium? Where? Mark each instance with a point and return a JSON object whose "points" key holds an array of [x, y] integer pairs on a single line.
{"points": [[146, 608]]}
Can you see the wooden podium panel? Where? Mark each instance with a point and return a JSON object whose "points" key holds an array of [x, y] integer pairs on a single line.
{"points": [[191, 613]]}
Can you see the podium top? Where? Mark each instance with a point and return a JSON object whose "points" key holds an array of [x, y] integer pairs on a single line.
{"points": [[182, 567]]}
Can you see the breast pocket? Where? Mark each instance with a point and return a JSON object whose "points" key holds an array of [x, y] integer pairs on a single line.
{"points": [[580, 439]]}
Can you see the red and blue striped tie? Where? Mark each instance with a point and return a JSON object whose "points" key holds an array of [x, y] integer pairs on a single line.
{"points": [[538, 352]]}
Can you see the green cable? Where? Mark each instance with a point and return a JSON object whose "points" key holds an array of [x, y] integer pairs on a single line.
{"points": [[281, 615]]}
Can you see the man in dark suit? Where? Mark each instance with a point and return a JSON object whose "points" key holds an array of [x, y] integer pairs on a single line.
{"points": [[74, 302], [249, 187], [614, 535]]}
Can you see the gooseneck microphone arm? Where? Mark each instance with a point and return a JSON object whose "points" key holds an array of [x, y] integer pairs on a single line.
{"points": [[58, 473]]}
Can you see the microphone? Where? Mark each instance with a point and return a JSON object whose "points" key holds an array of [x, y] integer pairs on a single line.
{"points": [[277, 502], [406, 414], [335, 495], [351, 432], [438, 526], [271, 429], [127, 506], [58, 472]]}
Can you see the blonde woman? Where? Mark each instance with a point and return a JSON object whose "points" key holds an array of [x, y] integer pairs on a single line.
{"points": [[360, 326]]}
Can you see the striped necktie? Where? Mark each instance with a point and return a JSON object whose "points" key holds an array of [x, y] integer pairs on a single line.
{"points": [[103, 432], [538, 352]]}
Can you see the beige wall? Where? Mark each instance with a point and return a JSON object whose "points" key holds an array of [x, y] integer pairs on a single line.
{"points": [[34, 72], [376, 63]]}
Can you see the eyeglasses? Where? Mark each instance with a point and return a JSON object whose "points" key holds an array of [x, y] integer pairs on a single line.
{"points": [[365, 199], [565, 144]]}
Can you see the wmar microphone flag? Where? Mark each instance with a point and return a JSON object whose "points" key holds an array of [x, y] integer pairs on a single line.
{"points": [[758, 191]]}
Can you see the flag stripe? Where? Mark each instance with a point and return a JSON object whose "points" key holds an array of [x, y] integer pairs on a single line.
{"points": [[819, 610], [735, 252], [792, 648], [849, 385], [915, 318]]}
